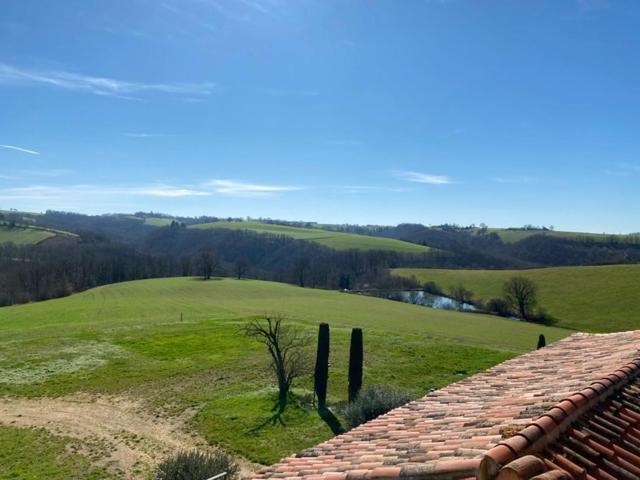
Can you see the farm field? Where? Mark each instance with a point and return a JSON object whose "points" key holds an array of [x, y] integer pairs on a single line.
{"points": [[26, 235], [336, 240], [512, 235], [173, 350], [591, 298]]}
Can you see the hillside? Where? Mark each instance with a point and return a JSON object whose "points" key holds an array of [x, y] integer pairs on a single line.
{"points": [[178, 344], [512, 235], [336, 240], [27, 234], [591, 298]]}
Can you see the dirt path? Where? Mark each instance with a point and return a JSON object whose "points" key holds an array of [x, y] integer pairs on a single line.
{"points": [[117, 430]]}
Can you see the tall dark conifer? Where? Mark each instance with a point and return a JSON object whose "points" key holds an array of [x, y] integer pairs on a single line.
{"points": [[356, 356], [322, 366]]}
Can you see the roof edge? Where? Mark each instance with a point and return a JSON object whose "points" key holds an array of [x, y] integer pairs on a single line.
{"points": [[550, 425]]}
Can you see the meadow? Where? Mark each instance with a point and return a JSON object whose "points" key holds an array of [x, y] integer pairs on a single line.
{"points": [[26, 234], [178, 344], [589, 298], [331, 239]]}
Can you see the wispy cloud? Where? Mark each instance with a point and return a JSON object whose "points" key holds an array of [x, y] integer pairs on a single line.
{"points": [[10, 75], [20, 149], [168, 191], [192, 17], [70, 193], [241, 10], [364, 189], [427, 178], [241, 189], [47, 172]]}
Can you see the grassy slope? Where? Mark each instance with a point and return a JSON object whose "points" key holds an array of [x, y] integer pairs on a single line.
{"points": [[129, 337], [28, 234], [23, 236], [594, 299], [514, 235], [337, 240], [158, 221]]}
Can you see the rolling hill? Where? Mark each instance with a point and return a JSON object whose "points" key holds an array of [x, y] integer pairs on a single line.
{"points": [[178, 343], [512, 235], [590, 298], [27, 234], [331, 239]]}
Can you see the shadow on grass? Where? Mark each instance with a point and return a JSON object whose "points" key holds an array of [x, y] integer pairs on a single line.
{"points": [[277, 418], [331, 420]]}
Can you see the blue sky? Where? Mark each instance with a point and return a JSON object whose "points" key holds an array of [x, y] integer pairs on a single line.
{"points": [[431, 111]]}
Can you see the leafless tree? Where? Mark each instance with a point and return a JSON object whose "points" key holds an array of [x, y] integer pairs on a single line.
{"points": [[286, 349], [522, 294], [208, 263], [242, 266], [460, 295]]}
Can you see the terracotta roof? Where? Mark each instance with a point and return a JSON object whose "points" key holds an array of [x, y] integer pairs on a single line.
{"points": [[488, 424], [601, 441]]}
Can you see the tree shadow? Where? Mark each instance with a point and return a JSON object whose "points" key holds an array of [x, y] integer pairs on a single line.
{"points": [[331, 420], [277, 417]]}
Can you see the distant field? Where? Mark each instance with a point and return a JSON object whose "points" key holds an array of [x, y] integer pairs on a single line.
{"points": [[178, 344], [337, 240], [27, 235], [512, 235], [158, 221], [592, 299]]}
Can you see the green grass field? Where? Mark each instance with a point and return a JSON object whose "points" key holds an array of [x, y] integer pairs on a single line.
{"points": [[592, 299], [178, 343], [336, 240], [31, 454], [157, 221], [27, 235], [512, 235]]}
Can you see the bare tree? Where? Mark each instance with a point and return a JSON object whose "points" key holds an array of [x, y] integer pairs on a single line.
{"points": [[242, 266], [522, 294], [286, 348], [208, 263], [460, 295]]}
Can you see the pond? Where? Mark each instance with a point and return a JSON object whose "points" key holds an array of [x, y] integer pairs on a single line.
{"points": [[420, 298]]}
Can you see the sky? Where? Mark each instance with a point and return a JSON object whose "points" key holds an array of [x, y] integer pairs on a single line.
{"points": [[372, 112]]}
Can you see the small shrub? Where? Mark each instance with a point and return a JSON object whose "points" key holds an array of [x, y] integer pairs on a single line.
{"points": [[542, 342], [197, 466], [499, 306], [373, 401], [432, 288], [543, 317]]}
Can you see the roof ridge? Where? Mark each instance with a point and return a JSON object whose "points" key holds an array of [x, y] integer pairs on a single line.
{"points": [[551, 424]]}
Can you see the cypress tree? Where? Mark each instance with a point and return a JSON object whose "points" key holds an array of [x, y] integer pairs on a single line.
{"points": [[356, 355], [321, 377], [542, 342]]}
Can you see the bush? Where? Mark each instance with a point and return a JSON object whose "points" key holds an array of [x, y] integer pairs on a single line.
{"points": [[432, 288], [543, 317], [499, 306], [197, 466], [373, 401], [460, 295]]}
